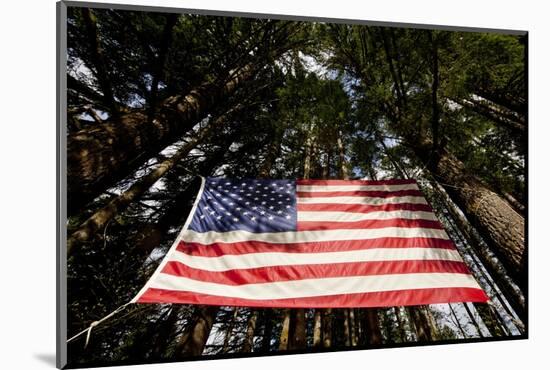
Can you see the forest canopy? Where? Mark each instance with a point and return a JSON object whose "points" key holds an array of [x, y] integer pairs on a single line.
{"points": [[155, 99]]}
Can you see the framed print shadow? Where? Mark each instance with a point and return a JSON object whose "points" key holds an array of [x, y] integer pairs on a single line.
{"points": [[234, 184]]}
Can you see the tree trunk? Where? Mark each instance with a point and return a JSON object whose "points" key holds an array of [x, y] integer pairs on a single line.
{"points": [[396, 85], [353, 326], [174, 214], [473, 320], [371, 171], [500, 225], [398, 168], [342, 157], [151, 235], [501, 118], [350, 327], [317, 333], [229, 330], [453, 314], [268, 330], [307, 156], [283, 341], [490, 319], [101, 217], [516, 104], [250, 330], [423, 328], [435, 86], [520, 208], [347, 327], [513, 296], [196, 334], [326, 168], [400, 324], [372, 332], [327, 327], [431, 322], [359, 323], [298, 329], [164, 330], [387, 326], [271, 155], [101, 155], [91, 96]]}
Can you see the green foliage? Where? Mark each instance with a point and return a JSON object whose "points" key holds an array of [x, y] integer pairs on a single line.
{"points": [[378, 89]]}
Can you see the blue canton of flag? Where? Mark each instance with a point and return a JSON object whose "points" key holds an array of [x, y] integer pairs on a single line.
{"points": [[252, 205]]}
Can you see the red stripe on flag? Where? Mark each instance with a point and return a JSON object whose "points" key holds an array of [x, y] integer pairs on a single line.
{"points": [[355, 182], [367, 224], [360, 208], [377, 299], [359, 193], [220, 249], [317, 271]]}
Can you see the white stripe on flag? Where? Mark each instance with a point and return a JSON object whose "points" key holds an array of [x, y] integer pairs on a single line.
{"points": [[315, 188], [363, 200], [257, 260], [290, 237], [318, 287], [354, 216]]}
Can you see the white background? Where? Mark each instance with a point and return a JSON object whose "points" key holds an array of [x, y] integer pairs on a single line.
{"points": [[27, 159]]}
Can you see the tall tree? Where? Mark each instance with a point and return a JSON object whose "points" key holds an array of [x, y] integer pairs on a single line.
{"points": [[362, 102], [194, 337], [101, 155], [498, 222], [101, 217]]}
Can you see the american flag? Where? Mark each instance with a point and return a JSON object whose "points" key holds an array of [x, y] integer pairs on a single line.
{"points": [[311, 243]]}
